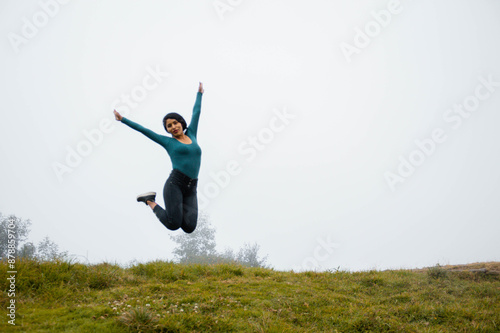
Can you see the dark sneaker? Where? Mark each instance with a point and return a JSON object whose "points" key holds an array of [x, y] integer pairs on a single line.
{"points": [[150, 196]]}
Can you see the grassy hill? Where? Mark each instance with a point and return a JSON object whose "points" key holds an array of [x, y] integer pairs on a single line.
{"points": [[168, 297]]}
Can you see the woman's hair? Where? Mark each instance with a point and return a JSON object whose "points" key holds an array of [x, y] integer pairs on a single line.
{"points": [[175, 116]]}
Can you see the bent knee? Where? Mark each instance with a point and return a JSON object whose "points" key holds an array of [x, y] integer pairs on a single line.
{"points": [[171, 224], [188, 230]]}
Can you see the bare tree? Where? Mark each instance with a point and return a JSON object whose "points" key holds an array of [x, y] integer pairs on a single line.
{"points": [[48, 250], [198, 246], [249, 256], [13, 232], [28, 250]]}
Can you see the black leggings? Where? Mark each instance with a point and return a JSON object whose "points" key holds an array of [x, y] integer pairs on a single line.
{"points": [[181, 203]]}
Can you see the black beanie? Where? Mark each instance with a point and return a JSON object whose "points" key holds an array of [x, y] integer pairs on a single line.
{"points": [[175, 116]]}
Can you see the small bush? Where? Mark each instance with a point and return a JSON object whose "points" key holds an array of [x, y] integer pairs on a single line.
{"points": [[437, 272], [139, 319], [102, 276], [161, 270]]}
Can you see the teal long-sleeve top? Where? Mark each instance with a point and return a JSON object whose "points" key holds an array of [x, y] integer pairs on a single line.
{"points": [[185, 157]]}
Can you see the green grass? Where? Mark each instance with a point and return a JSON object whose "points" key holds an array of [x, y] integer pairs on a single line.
{"points": [[167, 297]]}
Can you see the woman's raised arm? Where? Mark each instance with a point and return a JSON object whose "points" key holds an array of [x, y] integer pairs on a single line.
{"points": [[193, 125], [160, 139]]}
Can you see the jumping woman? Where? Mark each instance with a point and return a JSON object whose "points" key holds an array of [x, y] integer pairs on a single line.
{"points": [[179, 192]]}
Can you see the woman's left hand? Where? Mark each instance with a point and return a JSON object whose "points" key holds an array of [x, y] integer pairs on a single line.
{"points": [[200, 89]]}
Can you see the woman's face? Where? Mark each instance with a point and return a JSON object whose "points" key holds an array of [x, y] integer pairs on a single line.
{"points": [[174, 127]]}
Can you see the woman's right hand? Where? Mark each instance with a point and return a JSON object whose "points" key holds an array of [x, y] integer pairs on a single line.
{"points": [[117, 115]]}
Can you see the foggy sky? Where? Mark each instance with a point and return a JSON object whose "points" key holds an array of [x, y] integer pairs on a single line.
{"points": [[334, 134]]}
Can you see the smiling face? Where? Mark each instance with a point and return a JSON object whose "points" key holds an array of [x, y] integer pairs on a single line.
{"points": [[173, 127]]}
